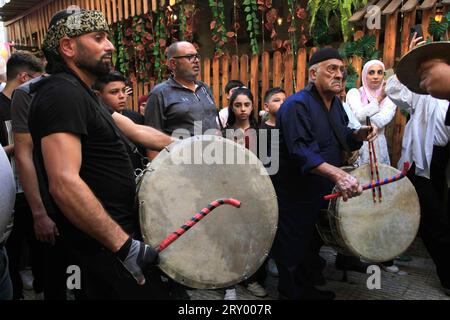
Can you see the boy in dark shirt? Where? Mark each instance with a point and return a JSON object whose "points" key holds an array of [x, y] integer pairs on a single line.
{"points": [[112, 90]]}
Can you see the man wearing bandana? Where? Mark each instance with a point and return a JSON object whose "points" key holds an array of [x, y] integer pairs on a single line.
{"points": [[84, 170], [313, 134]]}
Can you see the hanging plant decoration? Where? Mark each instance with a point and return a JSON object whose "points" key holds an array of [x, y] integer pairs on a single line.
{"points": [[217, 26], [320, 12], [253, 25], [264, 6], [160, 46]]}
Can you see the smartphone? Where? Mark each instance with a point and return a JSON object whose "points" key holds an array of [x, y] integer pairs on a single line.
{"points": [[418, 29]]}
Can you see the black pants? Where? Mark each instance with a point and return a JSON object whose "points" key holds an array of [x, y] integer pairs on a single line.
{"points": [[104, 277], [22, 235], [46, 260], [434, 224]]}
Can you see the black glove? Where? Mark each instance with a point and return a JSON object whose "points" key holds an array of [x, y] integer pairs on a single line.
{"points": [[137, 258]]}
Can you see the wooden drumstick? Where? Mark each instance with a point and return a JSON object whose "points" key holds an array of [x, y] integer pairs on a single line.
{"points": [[376, 171], [374, 197], [199, 216], [401, 175]]}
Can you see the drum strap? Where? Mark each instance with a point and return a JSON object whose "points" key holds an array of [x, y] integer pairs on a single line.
{"points": [[313, 91]]}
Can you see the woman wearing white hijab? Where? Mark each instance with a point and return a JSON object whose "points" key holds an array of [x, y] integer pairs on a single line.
{"points": [[370, 100]]}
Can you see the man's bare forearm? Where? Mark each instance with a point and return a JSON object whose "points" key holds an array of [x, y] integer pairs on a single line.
{"points": [[83, 209], [27, 173], [151, 138]]}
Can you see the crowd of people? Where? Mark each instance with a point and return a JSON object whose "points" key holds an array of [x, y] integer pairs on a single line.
{"points": [[73, 147]]}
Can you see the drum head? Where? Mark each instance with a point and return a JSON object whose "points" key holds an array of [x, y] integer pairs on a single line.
{"points": [[379, 232], [229, 244]]}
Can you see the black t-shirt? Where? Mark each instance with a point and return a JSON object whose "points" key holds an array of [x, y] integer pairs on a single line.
{"points": [[5, 115], [68, 105]]}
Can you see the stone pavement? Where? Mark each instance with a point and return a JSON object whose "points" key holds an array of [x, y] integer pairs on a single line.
{"points": [[416, 281]]}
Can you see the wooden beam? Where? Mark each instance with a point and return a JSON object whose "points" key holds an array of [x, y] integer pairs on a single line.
{"points": [[428, 5], [409, 6], [409, 19], [390, 37], [358, 15], [392, 7], [426, 15], [380, 4]]}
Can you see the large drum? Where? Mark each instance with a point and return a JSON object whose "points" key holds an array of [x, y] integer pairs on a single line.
{"points": [[229, 244], [7, 195], [375, 232]]}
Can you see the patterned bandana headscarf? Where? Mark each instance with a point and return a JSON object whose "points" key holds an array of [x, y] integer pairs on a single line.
{"points": [[367, 94], [74, 25]]}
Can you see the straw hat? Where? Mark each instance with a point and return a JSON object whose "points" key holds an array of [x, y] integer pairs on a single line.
{"points": [[409, 65]]}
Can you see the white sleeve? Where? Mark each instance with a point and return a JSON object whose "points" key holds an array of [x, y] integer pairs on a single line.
{"points": [[386, 114], [399, 94], [361, 111]]}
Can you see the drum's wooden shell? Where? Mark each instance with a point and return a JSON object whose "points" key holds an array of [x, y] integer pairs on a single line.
{"points": [[229, 244], [375, 232]]}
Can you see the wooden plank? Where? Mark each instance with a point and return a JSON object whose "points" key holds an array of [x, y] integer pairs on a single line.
{"points": [[225, 66], [409, 6], [103, 7], [265, 74], [154, 6], [126, 9], [428, 5], [426, 15], [216, 80], [207, 71], [139, 7], [409, 19], [243, 70], [392, 7], [145, 6], [114, 10], [108, 10], [93, 5], [135, 91], [376, 33], [381, 4], [98, 6], [301, 69], [277, 69], [120, 9], [133, 8], [288, 74], [357, 64], [234, 67], [358, 15], [254, 83], [390, 37]]}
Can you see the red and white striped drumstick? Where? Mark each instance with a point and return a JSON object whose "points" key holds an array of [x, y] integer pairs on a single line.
{"points": [[199, 216], [376, 184]]}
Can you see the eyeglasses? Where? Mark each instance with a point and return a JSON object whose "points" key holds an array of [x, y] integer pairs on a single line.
{"points": [[190, 57], [372, 72]]}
